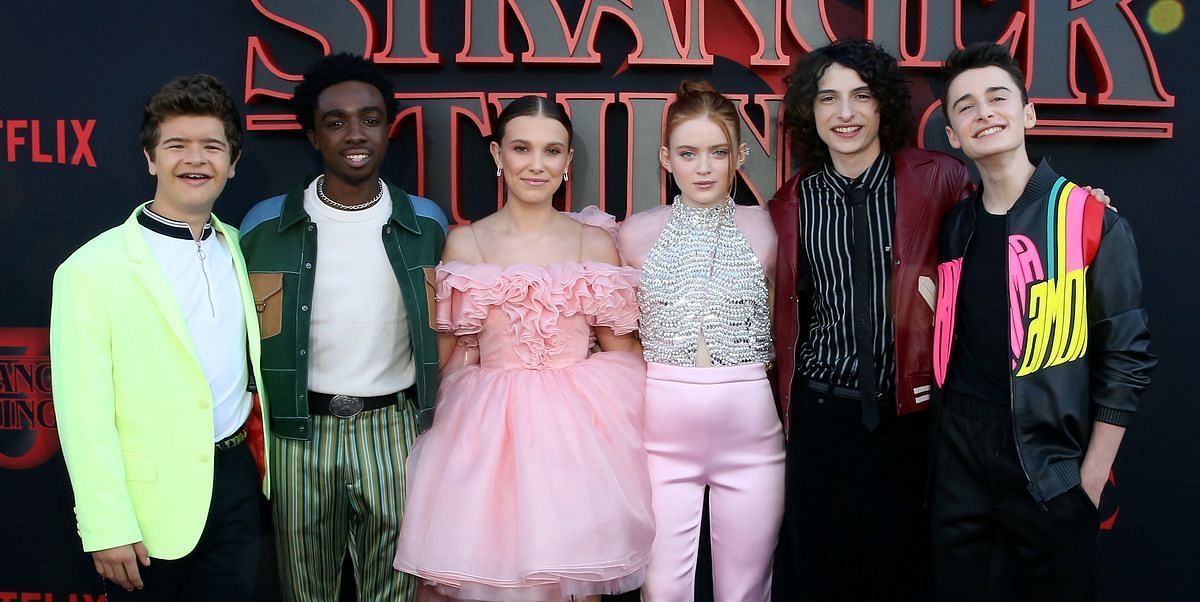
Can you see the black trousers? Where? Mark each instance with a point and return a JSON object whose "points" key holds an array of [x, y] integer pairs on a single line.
{"points": [[225, 563], [985, 520], [855, 525]]}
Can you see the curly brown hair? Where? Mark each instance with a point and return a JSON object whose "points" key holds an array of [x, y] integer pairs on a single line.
{"points": [[199, 94], [878, 70]]}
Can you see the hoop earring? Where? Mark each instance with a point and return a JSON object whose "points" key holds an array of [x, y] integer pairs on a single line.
{"points": [[733, 187], [498, 171]]}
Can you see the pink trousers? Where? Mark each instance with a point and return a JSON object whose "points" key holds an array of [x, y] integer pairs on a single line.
{"points": [[716, 428]]}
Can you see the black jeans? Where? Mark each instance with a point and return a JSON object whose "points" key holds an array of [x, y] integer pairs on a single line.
{"points": [[855, 526], [225, 562], [984, 516]]}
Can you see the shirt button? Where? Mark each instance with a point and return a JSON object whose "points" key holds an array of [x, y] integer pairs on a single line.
{"points": [[820, 400], [308, 265], [204, 404], [303, 308], [303, 352], [204, 458], [387, 229], [310, 227]]}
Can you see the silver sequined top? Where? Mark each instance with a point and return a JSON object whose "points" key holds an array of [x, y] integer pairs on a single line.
{"points": [[689, 287]]}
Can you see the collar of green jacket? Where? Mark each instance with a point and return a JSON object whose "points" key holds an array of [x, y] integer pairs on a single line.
{"points": [[293, 212]]}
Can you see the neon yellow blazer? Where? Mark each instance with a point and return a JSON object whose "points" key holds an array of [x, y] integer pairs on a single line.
{"points": [[134, 408]]}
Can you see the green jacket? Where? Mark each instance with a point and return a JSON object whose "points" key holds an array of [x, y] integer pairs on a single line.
{"points": [[279, 241], [133, 404]]}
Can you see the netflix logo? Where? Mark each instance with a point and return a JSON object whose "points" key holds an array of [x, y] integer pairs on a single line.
{"points": [[61, 141], [49, 597]]}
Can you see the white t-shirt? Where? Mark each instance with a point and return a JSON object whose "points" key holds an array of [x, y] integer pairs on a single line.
{"points": [[358, 334], [205, 283]]}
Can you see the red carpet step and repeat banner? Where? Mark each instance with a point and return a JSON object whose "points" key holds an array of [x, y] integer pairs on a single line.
{"points": [[1113, 81]]}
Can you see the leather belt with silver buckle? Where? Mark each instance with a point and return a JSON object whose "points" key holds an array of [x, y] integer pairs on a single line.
{"points": [[349, 406]]}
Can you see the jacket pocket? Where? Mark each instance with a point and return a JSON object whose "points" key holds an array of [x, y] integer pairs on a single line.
{"points": [[141, 467], [268, 300], [431, 295]]}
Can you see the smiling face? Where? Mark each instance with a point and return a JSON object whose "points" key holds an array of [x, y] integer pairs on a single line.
{"points": [[987, 116], [351, 132], [192, 161], [847, 119], [699, 156], [533, 155]]}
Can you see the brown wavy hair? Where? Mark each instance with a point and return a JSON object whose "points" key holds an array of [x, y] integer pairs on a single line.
{"points": [[199, 94]]}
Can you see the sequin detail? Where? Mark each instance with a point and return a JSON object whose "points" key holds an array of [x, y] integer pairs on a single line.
{"points": [[703, 276]]}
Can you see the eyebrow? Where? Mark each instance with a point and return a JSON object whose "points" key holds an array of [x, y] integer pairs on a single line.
{"points": [[204, 140], [858, 89], [988, 91], [694, 147], [340, 112], [527, 143]]}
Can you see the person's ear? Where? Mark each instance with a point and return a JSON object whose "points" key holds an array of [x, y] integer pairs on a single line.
{"points": [[953, 138]]}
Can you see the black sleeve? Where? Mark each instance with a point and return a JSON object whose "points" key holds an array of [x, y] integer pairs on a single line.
{"points": [[1118, 327]]}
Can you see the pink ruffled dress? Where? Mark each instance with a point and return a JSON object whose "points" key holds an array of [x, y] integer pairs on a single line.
{"points": [[532, 483]]}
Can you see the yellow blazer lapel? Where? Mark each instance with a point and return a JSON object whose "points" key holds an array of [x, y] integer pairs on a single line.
{"points": [[147, 271]]}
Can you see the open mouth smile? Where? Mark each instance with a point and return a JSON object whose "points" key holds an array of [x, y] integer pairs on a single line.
{"points": [[194, 178], [357, 158], [988, 131]]}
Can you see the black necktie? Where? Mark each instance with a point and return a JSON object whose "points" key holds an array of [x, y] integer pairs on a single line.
{"points": [[863, 324]]}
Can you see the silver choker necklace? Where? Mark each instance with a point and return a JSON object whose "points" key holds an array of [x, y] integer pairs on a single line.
{"points": [[337, 205]]}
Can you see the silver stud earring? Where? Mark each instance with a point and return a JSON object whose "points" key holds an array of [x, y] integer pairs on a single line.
{"points": [[497, 171]]}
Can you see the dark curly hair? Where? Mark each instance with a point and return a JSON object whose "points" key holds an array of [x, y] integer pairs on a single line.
{"points": [[199, 94], [977, 56], [335, 69], [880, 72]]}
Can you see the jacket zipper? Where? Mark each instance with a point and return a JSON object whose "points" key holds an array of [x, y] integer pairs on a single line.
{"points": [[1012, 398], [796, 338], [203, 257]]}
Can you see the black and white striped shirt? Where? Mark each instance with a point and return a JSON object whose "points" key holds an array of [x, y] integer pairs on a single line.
{"points": [[827, 239]]}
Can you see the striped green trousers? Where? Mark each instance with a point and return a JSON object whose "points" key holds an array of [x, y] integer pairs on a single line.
{"points": [[343, 490]]}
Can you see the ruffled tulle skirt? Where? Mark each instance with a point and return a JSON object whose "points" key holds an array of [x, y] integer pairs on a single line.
{"points": [[532, 484]]}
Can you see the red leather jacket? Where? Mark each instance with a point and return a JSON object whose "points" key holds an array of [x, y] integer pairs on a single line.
{"points": [[928, 184]]}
